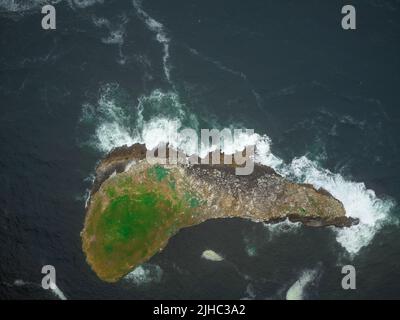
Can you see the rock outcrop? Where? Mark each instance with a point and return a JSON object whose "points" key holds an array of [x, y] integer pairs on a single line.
{"points": [[136, 207]]}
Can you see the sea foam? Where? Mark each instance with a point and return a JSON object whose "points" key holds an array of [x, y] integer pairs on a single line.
{"points": [[145, 274], [117, 126], [26, 6], [161, 36], [297, 290], [56, 291]]}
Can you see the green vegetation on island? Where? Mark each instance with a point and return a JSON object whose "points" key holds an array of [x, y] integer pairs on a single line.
{"points": [[136, 207]]}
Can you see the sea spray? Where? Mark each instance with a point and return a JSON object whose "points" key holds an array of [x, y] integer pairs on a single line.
{"points": [[145, 274], [297, 290], [158, 115], [359, 202], [56, 291]]}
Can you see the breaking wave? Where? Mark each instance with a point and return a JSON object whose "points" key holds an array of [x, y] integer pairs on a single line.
{"points": [[21, 6], [283, 227], [117, 123], [84, 3], [297, 290], [56, 291], [358, 201], [145, 274]]}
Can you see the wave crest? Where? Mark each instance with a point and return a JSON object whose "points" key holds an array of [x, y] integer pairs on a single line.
{"points": [[117, 123]]}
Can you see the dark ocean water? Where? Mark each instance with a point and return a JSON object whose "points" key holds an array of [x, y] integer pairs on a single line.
{"points": [[324, 96]]}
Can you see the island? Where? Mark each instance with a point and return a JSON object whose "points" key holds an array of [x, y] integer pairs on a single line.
{"points": [[135, 206]]}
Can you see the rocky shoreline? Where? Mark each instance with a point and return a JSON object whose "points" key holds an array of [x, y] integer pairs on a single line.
{"points": [[119, 235]]}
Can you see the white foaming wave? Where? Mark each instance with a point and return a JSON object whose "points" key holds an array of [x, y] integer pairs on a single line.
{"points": [[21, 6], [358, 201], [55, 289], [145, 274], [161, 36], [111, 135], [297, 290], [156, 131], [283, 227], [58, 293], [109, 119], [115, 125], [160, 130], [82, 4], [263, 154], [114, 131], [240, 141]]}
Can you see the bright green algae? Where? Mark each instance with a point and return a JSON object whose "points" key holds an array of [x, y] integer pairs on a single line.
{"points": [[138, 219], [160, 173]]}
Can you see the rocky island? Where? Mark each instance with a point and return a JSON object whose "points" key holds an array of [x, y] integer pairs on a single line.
{"points": [[136, 207]]}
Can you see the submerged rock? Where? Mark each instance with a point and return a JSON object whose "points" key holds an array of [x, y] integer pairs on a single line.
{"points": [[136, 207]]}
